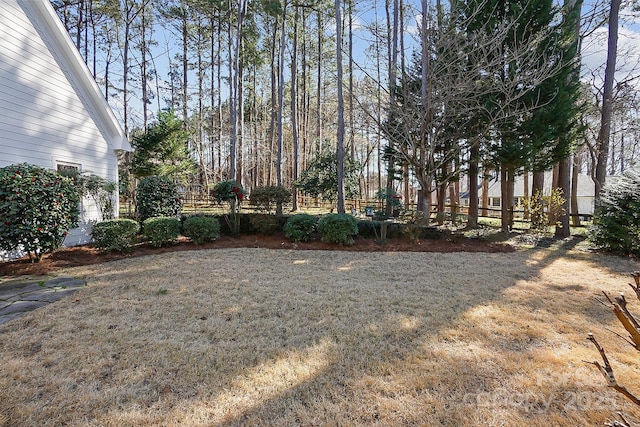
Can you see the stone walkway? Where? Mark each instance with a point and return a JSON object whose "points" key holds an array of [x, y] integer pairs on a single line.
{"points": [[18, 297]]}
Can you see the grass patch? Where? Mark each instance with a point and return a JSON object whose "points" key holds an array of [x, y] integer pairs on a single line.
{"points": [[262, 337]]}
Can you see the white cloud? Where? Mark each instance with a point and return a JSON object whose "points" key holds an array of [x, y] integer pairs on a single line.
{"points": [[594, 53]]}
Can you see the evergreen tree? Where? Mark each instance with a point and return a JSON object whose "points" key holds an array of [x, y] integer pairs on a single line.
{"points": [[528, 121], [320, 178], [161, 150]]}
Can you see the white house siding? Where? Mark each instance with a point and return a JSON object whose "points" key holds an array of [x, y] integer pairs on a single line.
{"points": [[46, 117], [585, 191]]}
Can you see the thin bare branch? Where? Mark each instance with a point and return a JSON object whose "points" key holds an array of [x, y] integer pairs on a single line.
{"points": [[607, 372]]}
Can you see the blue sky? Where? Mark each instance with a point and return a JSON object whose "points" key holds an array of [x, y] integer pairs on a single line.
{"points": [[594, 47]]}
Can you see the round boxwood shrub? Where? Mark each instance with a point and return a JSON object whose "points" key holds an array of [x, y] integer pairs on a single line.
{"points": [[157, 196], [161, 230], [616, 223], [201, 229], [338, 228], [300, 227], [37, 209], [115, 235]]}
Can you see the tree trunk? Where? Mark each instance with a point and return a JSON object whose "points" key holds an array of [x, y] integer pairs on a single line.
{"points": [[233, 118], [474, 155], [240, 139], [485, 194], [352, 142], [378, 103], [204, 176], [442, 195], [604, 134], [575, 171], [294, 106], [185, 68], [143, 69], [283, 38], [274, 101], [235, 49], [393, 61], [125, 70], [526, 193], [340, 130], [94, 61], [506, 195], [537, 185], [564, 184], [537, 191], [564, 167], [319, 78], [219, 99], [212, 48]]}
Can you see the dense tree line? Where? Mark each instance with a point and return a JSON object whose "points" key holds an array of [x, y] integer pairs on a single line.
{"points": [[261, 89]]}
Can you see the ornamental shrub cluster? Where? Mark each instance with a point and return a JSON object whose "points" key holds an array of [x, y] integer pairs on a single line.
{"points": [[37, 209], [338, 228], [265, 198], [157, 196], [201, 229], [616, 223], [115, 235], [161, 230], [300, 227]]}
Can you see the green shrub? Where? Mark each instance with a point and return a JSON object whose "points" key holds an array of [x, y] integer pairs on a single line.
{"points": [[338, 228], [157, 196], [116, 235], [161, 230], [201, 229], [390, 200], [414, 224], [264, 223], [544, 210], [300, 227], [228, 191], [616, 223], [37, 209], [265, 198], [368, 228], [99, 189]]}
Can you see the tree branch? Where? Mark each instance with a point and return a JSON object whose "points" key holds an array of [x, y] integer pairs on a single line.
{"points": [[619, 308], [607, 373]]}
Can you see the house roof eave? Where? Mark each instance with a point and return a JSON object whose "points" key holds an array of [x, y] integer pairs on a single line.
{"points": [[66, 50]]}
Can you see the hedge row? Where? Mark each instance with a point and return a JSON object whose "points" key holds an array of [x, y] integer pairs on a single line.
{"points": [[121, 234]]}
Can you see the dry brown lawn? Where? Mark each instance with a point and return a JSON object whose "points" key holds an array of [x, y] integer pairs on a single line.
{"points": [[315, 338]]}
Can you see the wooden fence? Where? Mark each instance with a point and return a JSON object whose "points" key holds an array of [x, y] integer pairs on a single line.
{"points": [[203, 203]]}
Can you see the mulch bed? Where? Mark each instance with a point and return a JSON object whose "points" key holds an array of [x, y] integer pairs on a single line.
{"points": [[87, 255]]}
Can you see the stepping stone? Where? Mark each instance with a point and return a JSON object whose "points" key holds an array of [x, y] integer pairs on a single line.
{"points": [[7, 317], [7, 295], [58, 280], [19, 298], [69, 283], [34, 287], [22, 306], [50, 296]]}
